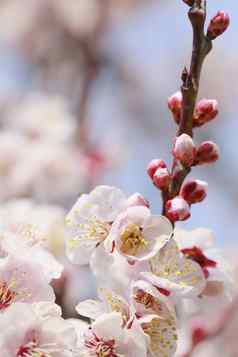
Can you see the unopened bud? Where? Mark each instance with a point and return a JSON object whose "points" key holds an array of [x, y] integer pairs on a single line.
{"points": [[177, 209], [162, 178], [184, 149], [194, 191], [207, 153], [218, 25], [154, 165], [205, 111], [175, 105], [137, 200]]}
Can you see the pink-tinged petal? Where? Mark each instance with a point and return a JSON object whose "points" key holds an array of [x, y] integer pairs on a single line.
{"points": [[50, 267], [23, 282], [137, 214]]}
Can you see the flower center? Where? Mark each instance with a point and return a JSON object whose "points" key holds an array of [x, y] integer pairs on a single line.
{"points": [[7, 296], [132, 240], [32, 350], [100, 347], [142, 297]]}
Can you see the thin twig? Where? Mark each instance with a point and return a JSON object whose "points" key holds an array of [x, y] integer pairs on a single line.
{"points": [[190, 86]]}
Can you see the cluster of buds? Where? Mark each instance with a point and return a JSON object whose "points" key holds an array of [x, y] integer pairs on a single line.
{"points": [[206, 110], [185, 151], [159, 174], [192, 191]]}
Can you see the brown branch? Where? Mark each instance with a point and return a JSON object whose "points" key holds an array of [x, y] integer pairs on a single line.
{"points": [[93, 63], [190, 86]]}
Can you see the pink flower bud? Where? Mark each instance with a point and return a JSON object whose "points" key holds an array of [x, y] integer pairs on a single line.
{"points": [[184, 149], [177, 209], [154, 165], [205, 111], [194, 191], [207, 152], [162, 178], [137, 200], [218, 25], [175, 105]]}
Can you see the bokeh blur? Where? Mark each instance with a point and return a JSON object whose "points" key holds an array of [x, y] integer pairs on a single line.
{"points": [[83, 94]]}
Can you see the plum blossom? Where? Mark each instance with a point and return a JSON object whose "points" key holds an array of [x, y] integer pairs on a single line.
{"points": [[108, 337], [26, 333], [90, 220], [34, 223], [176, 275], [137, 234], [22, 281]]}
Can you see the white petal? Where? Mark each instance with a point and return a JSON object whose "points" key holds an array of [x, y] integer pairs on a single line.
{"points": [[108, 326], [90, 308]]}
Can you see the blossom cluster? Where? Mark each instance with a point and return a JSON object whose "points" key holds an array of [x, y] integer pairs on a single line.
{"points": [[150, 278], [39, 153]]}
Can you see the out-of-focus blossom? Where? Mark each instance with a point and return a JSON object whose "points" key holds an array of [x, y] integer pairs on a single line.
{"points": [[25, 332], [37, 224], [15, 245], [39, 117], [22, 281]]}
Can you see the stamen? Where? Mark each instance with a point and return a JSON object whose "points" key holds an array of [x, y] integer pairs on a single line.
{"points": [[132, 240], [7, 296]]}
